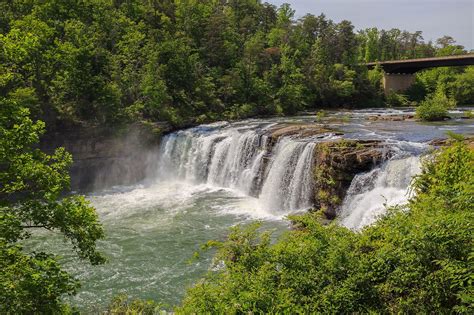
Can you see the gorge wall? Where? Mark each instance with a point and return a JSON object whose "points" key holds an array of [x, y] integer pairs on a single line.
{"points": [[103, 157], [286, 166]]}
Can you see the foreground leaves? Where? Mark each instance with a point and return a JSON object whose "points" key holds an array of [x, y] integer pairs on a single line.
{"points": [[32, 187]]}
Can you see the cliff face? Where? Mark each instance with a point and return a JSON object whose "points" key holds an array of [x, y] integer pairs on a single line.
{"points": [[104, 158]]}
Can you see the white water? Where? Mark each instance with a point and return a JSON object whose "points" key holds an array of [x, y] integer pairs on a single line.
{"points": [[279, 181], [288, 185], [371, 193], [235, 157]]}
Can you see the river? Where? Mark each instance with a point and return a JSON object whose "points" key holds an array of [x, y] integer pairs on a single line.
{"points": [[203, 180]]}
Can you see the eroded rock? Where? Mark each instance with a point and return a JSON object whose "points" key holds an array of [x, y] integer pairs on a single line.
{"points": [[336, 164], [469, 140], [302, 130]]}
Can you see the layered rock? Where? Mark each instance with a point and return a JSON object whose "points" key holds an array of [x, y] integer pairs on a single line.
{"points": [[469, 140], [399, 117], [336, 164]]}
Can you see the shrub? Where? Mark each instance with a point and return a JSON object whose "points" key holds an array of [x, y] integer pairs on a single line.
{"points": [[122, 305], [394, 99], [435, 107]]}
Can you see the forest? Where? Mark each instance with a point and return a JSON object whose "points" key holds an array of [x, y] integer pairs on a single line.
{"points": [[94, 63], [100, 62]]}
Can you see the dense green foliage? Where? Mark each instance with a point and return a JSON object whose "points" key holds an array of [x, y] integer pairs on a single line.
{"points": [[31, 188], [108, 62], [121, 305], [417, 259], [435, 107], [455, 82], [395, 44], [95, 62]]}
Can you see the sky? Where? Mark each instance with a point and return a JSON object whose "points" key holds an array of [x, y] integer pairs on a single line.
{"points": [[434, 17]]}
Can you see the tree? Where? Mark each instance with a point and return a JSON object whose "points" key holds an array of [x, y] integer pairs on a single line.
{"points": [[32, 187], [290, 96], [346, 46], [447, 47], [462, 88], [371, 53], [445, 41]]}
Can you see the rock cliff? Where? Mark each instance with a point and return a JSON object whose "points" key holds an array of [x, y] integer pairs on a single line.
{"points": [[104, 157]]}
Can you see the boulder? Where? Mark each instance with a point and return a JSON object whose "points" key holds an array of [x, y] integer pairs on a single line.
{"points": [[336, 164]]}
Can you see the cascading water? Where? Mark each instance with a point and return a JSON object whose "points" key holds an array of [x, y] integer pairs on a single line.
{"points": [[240, 159], [371, 193], [289, 180]]}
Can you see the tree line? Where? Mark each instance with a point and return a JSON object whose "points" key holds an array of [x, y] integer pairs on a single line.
{"points": [[97, 62]]}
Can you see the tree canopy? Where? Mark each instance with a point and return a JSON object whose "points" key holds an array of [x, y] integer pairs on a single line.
{"points": [[97, 62], [32, 187]]}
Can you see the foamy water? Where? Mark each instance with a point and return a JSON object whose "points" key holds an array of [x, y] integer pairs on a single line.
{"points": [[370, 194]]}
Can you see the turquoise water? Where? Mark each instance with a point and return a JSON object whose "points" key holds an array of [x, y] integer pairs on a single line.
{"points": [[152, 232]]}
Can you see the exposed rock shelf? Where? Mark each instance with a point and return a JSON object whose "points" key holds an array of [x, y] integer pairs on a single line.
{"points": [[336, 164]]}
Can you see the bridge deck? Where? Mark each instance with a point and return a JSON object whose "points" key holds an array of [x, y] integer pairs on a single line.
{"points": [[414, 65]]}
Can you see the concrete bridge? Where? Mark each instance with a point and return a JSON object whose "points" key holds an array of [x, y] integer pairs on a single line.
{"points": [[399, 74]]}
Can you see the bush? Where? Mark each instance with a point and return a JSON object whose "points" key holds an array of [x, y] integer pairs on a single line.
{"points": [[435, 107], [122, 305], [417, 259], [394, 99]]}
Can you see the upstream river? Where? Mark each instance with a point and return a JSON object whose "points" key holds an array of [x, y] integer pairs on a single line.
{"points": [[202, 182]]}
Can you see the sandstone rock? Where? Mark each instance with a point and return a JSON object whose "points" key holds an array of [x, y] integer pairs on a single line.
{"points": [[469, 140], [336, 164], [104, 157], [300, 130]]}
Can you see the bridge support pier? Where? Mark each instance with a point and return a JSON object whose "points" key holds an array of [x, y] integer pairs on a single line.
{"points": [[395, 82]]}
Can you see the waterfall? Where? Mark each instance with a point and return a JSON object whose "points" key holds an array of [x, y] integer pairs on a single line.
{"points": [[241, 159], [288, 184], [371, 193], [280, 175]]}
